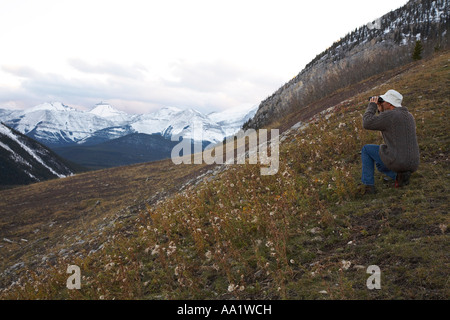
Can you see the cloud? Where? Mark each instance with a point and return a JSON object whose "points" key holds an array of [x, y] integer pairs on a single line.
{"points": [[205, 86], [133, 94], [109, 68], [218, 75], [204, 76], [229, 83], [20, 71]]}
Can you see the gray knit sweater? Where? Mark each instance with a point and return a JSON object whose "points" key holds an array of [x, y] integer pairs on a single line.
{"points": [[401, 150]]}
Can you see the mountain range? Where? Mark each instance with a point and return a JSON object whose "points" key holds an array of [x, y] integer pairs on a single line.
{"points": [[57, 125], [104, 136]]}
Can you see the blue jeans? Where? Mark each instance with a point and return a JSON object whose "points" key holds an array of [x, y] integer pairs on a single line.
{"points": [[370, 155]]}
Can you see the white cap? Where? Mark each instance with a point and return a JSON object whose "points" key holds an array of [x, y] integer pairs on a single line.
{"points": [[393, 97]]}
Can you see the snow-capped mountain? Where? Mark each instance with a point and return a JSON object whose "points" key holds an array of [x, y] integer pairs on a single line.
{"points": [[156, 122], [106, 111], [106, 134], [57, 125], [190, 124], [23, 160], [232, 120]]}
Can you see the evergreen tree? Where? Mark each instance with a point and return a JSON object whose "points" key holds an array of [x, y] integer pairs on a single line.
{"points": [[417, 54]]}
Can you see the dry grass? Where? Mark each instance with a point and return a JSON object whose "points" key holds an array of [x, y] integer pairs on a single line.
{"points": [[72, 214]]}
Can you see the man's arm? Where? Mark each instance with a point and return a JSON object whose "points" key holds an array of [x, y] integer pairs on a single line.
{"points": [[373, 122]]}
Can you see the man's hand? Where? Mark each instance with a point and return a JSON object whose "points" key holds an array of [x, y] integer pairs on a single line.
{"points": [[375, 100]]}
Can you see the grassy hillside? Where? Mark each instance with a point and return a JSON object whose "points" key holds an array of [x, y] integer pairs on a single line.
{"points": [[70, 217], [304, 233]]}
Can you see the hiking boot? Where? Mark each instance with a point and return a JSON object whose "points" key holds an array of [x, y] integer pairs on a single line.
{"points": [[402, 179], [370, 190], [367, 189]]}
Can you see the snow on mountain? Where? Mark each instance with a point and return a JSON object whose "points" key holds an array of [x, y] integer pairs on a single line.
{"points": [[106, 111], [232, 120], [56, 124], [189, 124], [193, 125], [7, 132], [53, 106], [156, 122], [213, 127], [106, 134], [4, 113], [24, 160]]}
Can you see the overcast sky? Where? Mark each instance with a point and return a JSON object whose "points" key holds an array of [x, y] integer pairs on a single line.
{"points": [[140, 56]]}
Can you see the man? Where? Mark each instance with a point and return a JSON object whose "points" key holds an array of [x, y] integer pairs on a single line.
{"points": [[399, 156]]}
